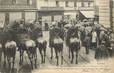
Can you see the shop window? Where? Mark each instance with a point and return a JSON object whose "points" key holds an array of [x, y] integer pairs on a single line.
{"points": [[6, 18], [66, 4]]}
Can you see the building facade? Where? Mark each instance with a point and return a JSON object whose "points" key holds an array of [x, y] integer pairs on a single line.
{"points": [[106, 13], [112, 15], [11, 10], [52, 10]]}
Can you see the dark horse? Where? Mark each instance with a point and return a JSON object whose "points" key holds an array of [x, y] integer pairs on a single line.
{"points": [[42, 44], [9, 47], [73, 42], [58, 46], [56, 34]]}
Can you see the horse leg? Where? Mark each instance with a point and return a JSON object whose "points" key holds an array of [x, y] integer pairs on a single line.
{"points": [[87, 50], [30, 58], [56, 52], [69, 53], [44, 54], [40, 50], [13, 62], [9, 62], [35, 59], [62, 57], [0, 56], [72, 56], [21, 57], [51, 52], [4, 60], [77, 57]]}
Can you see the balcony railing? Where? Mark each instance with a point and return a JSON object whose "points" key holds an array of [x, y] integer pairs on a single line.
{"points": [[17, 6], [52, 8], [65, 8], [86, 8]]}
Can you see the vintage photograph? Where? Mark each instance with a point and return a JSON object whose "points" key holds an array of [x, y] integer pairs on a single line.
{"points": [[56, 36]]}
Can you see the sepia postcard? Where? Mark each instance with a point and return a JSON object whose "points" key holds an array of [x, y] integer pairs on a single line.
{"points": [[56, 36]]}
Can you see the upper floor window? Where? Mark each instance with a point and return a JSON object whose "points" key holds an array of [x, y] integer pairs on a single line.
{"points": [[75, 4], [57, 3], [89, 4], [13, 1], [66, 4], [29, 2], [82, 4]]}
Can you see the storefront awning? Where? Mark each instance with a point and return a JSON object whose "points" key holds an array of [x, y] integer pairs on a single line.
{"points": [[88, 14]]}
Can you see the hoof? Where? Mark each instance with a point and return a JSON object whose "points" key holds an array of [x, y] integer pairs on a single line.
{"points": [[51, 58], [71, 62], [57, 64], [20, 63], [69, 57], [76, 62], [36, 66], [42, 62]]}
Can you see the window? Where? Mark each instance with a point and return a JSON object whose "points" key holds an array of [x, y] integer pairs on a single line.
{"points": [[57, 3], [75, 4], [29, 2], [13, 1], [66, 4], [89, 4], [82, 4]]}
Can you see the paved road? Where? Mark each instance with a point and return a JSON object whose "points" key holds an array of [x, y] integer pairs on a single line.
{"points": [[83, 60]]}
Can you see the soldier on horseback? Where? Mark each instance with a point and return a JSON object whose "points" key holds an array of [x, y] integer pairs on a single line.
{"points": [[73, 42], [56, 41]]}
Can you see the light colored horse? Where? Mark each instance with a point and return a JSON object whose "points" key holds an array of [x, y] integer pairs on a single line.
{"points": [[32, 52], [10, 52]]}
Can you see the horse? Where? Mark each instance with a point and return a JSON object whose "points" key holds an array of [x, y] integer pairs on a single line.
{"points": [[74, 47], [42, 44], [56, 33], [72, 32], [21, 38], [10, 52], [32, 52], [58, 47], [0, 53]]}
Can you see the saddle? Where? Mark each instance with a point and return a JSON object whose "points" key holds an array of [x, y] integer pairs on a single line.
{"points": [[10, 44], [40, 40], [0, 45], [58, 41], [74, 40], [30, 43]]}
